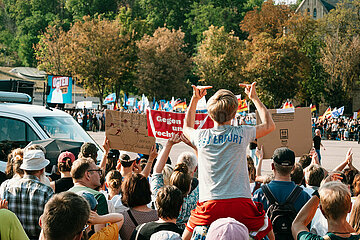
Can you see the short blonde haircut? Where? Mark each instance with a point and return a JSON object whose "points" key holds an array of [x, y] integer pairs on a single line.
{"points": [[222, 106], [335, 200]]}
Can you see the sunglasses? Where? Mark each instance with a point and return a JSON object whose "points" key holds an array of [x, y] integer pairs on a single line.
{"points": [[99, 171]]}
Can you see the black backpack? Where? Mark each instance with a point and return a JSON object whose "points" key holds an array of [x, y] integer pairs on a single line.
{"points": [[282, 214]]}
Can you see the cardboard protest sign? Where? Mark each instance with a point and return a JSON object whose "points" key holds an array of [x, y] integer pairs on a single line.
{"points": [[293, 130], [128, 132], [165, 124]]}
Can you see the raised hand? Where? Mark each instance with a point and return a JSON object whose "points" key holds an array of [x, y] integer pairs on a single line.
{"points": [[250, 90], [153, 153], [259, 152], [106, 145], [199, 91], [3, 204], [174, 139]]}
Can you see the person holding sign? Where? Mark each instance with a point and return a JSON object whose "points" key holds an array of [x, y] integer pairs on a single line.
{"points": [[224, 189]]}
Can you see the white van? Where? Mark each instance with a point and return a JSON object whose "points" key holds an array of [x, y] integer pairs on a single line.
{"points": [[23, 123]]}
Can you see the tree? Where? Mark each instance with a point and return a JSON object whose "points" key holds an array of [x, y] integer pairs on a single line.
{"points": [[277, 65], [98, 54], [170, 13], [219, 60], [163, 65], [81, 8], [341, 51], [305, 30], [269, 19], [52, 50]]}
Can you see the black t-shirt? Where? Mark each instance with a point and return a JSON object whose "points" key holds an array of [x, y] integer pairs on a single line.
{"points": [[317, 141], [63, 184], [152, 227]]}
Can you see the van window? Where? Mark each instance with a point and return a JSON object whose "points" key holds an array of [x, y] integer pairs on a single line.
{"points": [[15, 130], [63, 128]]}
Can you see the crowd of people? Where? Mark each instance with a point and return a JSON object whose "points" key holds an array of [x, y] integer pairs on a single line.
{"points": [[215, 191], [343, 128]]}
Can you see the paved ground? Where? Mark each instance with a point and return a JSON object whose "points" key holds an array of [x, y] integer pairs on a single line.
{"points": [[333, 155]]}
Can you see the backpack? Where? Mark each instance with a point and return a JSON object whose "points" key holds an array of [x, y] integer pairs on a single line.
{"points": [[282, 214]]}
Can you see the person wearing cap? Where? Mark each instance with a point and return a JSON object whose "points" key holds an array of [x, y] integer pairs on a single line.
{"points": [[227, 229], [281, 187], [27, 196], [65, 161], [88, 150]]}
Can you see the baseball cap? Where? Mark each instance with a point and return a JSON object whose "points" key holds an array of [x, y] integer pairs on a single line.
{"points": [[65, 155], [34, 160], [227, 229], [113, 153], [284, 156], [165, 235], [88, 149], [128, 156], [89, 198]]}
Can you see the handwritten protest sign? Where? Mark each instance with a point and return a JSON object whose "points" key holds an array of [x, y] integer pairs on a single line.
{"points": [[165, 124], [128, 132]]}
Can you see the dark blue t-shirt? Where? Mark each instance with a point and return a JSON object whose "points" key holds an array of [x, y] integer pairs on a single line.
{"points": [[281, 191]]}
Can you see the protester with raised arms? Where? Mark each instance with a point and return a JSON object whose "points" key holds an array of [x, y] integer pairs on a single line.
{"points": [[223, 177]]}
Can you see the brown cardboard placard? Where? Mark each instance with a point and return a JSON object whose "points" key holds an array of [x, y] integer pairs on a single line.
{"points": [[128, 132], [293, 130]]}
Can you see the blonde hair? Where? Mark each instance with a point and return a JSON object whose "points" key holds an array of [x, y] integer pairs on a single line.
{"points": [[166, 172], [355, 215], [335, 200], [222, 106]]}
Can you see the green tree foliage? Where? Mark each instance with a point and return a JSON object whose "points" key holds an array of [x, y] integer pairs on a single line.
{"points": [[169, 13], [80, 8], [306, 32], [341, 53], [52, 50], [277, 65], [219, 60], [163, 65]]}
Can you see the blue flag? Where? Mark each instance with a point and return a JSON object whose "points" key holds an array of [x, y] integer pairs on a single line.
{"points": [[110, 98], [125, 101], [156, 106]]}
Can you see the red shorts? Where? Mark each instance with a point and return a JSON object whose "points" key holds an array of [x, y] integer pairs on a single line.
{"points": [[250, 213]]}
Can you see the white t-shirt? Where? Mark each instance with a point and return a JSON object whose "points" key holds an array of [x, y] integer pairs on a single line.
{"points": [[223, 172]]}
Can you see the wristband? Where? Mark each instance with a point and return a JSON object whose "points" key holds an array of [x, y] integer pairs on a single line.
{"points": [[316, 193]]}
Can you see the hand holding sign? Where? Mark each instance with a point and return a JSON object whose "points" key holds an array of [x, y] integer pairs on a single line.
{"points": [[199, 91], [250, 90]]}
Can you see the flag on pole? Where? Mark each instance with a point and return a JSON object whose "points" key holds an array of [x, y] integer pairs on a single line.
{"points": [[116, 105], [312, 108], [156, 106], [125, 101], [327, 114], [242, 106], [288, 104], [180, 106], [337, 112], [110, 98]]}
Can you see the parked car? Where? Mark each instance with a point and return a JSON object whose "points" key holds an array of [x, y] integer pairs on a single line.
{"points": [[22, 123]]}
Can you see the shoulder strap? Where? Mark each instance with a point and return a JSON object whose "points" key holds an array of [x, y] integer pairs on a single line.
{"points": [[132, 218], [294, 195], [268, 194], [138, 231]]}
